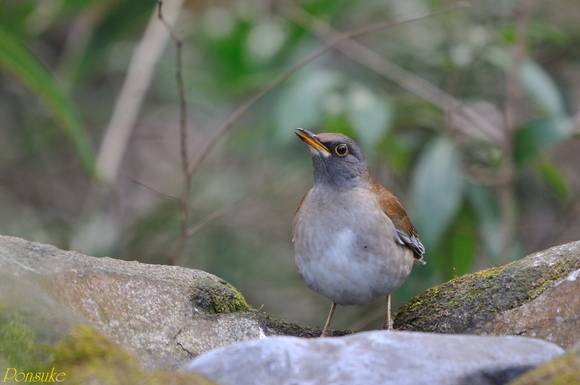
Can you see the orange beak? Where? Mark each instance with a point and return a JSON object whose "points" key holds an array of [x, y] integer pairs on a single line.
{"points": [[312, 140]]}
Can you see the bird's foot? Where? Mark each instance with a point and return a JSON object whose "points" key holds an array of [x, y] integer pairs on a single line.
{"points": [[326, 333], [388, 325]]}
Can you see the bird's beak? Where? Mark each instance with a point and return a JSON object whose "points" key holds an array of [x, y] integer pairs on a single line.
{"points": [[312, 140]]}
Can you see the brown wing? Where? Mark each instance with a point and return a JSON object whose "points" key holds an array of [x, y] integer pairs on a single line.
{"points": [[408, 234]]}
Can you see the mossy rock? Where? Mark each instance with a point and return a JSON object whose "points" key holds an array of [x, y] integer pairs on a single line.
{"points": [[18, 342], [219, 297], [465, 303], [162, 315], [80, 356], [564, 370], [88, 357]]}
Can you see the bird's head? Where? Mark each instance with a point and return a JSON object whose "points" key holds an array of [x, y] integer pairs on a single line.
{"points": [[337, 159]]}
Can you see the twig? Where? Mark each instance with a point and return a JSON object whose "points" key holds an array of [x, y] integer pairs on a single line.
{"points": [[390, 70], [217, 214], [226, 209], [132, 94], [158, 193], [513, 118], [335, 41], [186, 183], [179, 79]]}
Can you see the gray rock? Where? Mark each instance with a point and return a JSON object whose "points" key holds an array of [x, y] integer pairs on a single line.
{"points": [[164, 315], [378, 357], [536, 297], [167, 315]]}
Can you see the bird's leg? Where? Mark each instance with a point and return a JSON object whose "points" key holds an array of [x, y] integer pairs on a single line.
{"points": [[325, 331], [388, 321]]}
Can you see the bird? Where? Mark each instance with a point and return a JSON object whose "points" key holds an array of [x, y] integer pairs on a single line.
{"points": [[353, 240]]}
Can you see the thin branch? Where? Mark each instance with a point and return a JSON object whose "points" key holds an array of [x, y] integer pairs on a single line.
{"points": [[332, 42], [186, 183], [219, 213], [390, 70], [158, 193], [513, 118], [128, 105], [179, 79], [232, 206]]}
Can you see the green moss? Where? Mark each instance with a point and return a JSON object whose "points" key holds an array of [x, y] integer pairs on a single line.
{"points": [[213, 297], [81, 353], [228, 303], [85, 357], [17, 341], [467, 302], [564, 370]]}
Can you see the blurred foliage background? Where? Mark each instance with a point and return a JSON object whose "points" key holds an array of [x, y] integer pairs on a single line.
{"points": [[471, 117]]}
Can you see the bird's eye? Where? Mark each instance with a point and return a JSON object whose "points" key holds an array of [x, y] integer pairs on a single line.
{"points": [[341, 150]]}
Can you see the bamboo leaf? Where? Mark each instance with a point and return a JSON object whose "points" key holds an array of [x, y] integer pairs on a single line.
{"points": [[488, 215], [17, 61], [299, 104], [437, 189], [370, 114], [538, 136], [554, 178]]}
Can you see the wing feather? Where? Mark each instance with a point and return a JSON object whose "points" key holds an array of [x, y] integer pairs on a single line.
{"points": [[406, 232]]}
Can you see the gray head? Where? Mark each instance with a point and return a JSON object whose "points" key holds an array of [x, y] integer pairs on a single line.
{"points": [[337, 159]]}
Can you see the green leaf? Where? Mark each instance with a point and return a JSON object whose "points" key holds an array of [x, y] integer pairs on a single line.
{"points": [[549, 33], [538, 136], [456, 254], [370, 114], [75, 5], [486, 209], [540, 86], [299, 105], [554, 126], [119, 18], [537, 32], [336, 123], [463, 243], [535, 81], [554, 178], [16, 60], [437, 189]]}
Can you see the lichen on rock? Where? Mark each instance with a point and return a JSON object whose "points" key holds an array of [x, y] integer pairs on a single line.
{"points": [[464, 304]]}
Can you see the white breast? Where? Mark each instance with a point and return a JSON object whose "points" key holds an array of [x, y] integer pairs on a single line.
{"points": [[345, 254]]}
